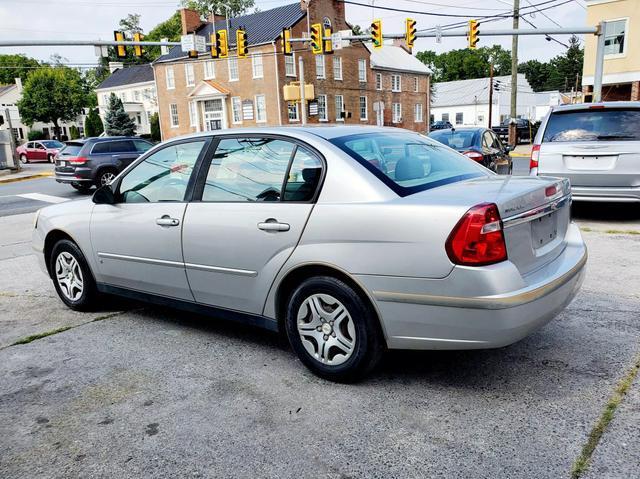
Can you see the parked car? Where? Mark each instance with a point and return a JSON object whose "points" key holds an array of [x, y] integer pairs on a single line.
{"points": [[41, 150], [440, 125], [479, 144], [525, 130], [594, 145], [96, 161], [292, 229]]}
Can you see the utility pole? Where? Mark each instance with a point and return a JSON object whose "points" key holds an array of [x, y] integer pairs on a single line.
{"points": [[12, 141], [303, 102], [514, 74], [576, 89], [490, 92]]}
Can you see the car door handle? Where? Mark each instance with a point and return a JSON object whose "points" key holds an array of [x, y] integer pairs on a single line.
{"points": [[166, 220], [273, 225]]}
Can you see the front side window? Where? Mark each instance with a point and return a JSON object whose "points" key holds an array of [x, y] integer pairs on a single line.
{"points": [[163, 176], [614, 37], [209, 69], [171, 81], [290, 65], [322, 108], [258, 68], [261, 109], [236, 109], [339, 107], [233, 69], [320, 73], [174, 115], [337, 68], [121, 146], [189, 75], [362, 70], [603, 124], [408, 162]]}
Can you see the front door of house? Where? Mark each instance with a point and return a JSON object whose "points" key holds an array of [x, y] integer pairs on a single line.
{"points": [[214, 114]]}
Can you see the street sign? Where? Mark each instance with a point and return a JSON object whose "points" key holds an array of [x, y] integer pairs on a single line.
{"points": [[313, 108], [192, 42], [336, 41]]}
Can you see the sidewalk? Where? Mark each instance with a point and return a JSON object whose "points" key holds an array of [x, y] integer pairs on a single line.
{"points": [[521, 151], [27, 172]]}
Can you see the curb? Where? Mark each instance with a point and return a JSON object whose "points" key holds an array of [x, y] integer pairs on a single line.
{"points": [[26, 177], [519, 155]]}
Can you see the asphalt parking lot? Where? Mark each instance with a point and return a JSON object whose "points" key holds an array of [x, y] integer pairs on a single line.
{"points": [[135, 391]]}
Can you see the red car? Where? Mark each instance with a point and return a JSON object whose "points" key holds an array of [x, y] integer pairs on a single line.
{"points": [[42, 150]]}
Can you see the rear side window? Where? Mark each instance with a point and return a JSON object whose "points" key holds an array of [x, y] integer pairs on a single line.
{"points": [[72, 149], [102, 147], [408, 162], [599, 124]]}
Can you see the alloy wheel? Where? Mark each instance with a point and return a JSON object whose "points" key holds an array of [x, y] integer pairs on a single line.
{"points": [[106, 178], [326, 329], [69, 276]]}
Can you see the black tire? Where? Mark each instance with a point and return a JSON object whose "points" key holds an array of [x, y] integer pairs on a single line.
{"points": [[82, 187], [102, 173], [368, 338], [88, 300]]}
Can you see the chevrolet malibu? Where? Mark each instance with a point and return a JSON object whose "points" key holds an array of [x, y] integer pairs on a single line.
{"points": [[349, 239]]}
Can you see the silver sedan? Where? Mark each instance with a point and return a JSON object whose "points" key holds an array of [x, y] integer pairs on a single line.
{"points": [[349, 239]]}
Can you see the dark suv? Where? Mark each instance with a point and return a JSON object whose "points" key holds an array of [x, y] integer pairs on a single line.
{"points": [[97, 161]]}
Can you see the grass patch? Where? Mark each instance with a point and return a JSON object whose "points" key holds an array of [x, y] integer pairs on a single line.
{"points": [[623, 232], [33, 337], [581, 464]]}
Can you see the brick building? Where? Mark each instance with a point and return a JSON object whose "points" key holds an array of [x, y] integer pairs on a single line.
{"points": [[354, 85]]}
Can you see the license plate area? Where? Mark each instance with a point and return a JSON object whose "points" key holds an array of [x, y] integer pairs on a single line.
{"points": [[590, 162], [544, 230]]}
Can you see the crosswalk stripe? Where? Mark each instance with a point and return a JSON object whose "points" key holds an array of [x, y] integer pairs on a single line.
{"points": [[43, 197]]}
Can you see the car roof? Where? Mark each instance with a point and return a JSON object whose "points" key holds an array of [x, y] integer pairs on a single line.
{"points": [[462, 128], [98, 139], [602, 104]]}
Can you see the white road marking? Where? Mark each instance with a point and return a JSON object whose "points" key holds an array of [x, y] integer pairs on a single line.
{"points": [[43, 197]]}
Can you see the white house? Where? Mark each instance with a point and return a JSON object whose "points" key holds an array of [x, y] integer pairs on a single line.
{"points": [[466, 102], [9, 97], [136, 87]]}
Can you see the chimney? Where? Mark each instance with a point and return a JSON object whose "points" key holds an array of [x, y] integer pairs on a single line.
{"points": [[19, 84], [400, 42], [215, 17], [113, 66], [190, 20]]}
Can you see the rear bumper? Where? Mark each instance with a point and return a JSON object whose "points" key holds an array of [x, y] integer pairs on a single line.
{"points": [[477, 308], [610, 194]]}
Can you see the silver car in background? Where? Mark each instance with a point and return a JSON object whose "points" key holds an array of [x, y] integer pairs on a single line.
{"points": [[594, 145], [350, 239]]}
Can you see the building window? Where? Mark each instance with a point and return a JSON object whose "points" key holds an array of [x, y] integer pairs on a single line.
{"points": [[320, 72], [445, 117], [124, 96], [378, 81], [326, 23], [459, 118], [261, 109], [292, 111], [418, 112], [416, 84], [337, 68], [192, 113], [614, 36], [258, 68], [105, 99], [290, 65], [136, 95], [363, 108], [189, 75], [171, 80], [362, 69], [174, 115], [432, 118], [396, 112], [396, 83], [322, 108], [339, 107], [233, 69], [236, 109], [209, 69]]}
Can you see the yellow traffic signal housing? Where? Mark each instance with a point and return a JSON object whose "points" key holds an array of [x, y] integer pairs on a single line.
{"points": [[193, 54], [241, 43], [137, 49], [286, 41], [213, 39], [410, 32], [328, 44], [376, 33], [474, 34], [121, 51], [316, 38], [222, 44]]}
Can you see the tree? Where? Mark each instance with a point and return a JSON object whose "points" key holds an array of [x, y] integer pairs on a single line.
{"points": [[117, 121], [206, 7], [74, 133], [130, 24], [155, 127], [464, 64], [170, 29], [537, 73], [52, 95], [564, 68], [16, 66], [93, 124]]}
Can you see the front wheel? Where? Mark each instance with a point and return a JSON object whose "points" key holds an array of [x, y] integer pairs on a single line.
{"points": [[24, 159], [72, 277], [333, 330]]}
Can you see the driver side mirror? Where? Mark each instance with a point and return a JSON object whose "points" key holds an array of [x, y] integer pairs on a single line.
{"points": [[104, 196]]}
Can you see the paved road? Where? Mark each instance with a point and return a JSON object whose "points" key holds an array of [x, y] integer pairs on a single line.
{"points": [[135, 391]]}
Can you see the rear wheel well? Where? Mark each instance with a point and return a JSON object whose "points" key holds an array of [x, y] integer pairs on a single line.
{"points": [[298, 275], [52, 238]]}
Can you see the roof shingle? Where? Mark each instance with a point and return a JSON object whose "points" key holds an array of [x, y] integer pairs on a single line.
{"points": [[128, 76]]}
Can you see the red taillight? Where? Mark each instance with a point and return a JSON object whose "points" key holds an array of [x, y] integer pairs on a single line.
{"points": [[474, 155], [477, 239], [535, 154], [550, 190], [78, 160]]}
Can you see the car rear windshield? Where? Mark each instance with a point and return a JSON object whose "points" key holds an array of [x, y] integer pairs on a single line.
{"points": [[408, 162], [602, 124], [71, 149], [458, 139]]}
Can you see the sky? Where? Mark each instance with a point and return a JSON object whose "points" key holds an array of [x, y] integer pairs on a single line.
{"points": [[96, 19]]}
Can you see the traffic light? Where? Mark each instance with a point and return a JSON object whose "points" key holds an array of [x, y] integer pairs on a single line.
{"points": [[121, 51], [410, 32], [286, 41], [222, 44], [376, 33], [316, 38], [474, 34], [137, 49], [241, 43], [328, 44], [213, 39]]}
